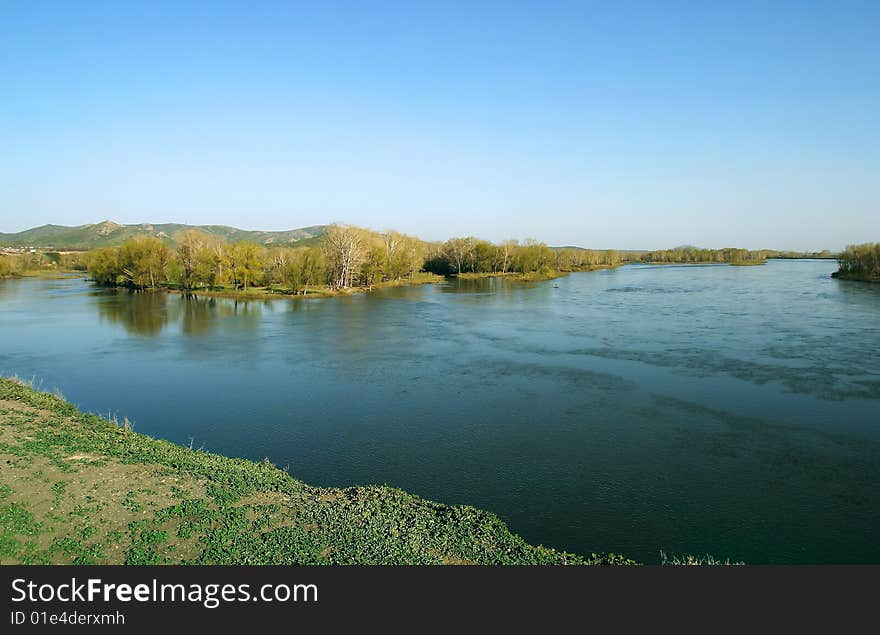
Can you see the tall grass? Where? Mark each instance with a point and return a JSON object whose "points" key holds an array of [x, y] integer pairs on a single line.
{"points": [[691, 560]]}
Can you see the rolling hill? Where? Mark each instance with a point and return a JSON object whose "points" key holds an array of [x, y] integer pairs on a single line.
{"points": [[108, 233]]}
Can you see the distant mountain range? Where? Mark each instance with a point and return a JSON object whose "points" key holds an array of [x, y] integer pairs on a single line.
{"points": [[108, 233]]}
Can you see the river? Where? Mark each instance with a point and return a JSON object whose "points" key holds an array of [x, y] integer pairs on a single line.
{"points": [[733, 411]]}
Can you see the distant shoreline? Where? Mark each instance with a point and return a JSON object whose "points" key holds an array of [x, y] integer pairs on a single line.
{"points": [[744, 263]]}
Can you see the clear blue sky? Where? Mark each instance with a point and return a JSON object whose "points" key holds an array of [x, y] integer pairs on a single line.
{"points": [[620, 124]]}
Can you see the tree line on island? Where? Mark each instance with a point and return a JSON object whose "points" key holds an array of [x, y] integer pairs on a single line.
{"points": [[695, 255], [859, 262], [346, 258], [530, 258]]}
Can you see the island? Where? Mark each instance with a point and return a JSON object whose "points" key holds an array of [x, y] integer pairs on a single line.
{"points": [[860, 263]]}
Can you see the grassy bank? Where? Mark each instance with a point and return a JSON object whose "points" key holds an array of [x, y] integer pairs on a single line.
{"points": [[275, 292], [531, 276], [50, 274], [76, 488]]}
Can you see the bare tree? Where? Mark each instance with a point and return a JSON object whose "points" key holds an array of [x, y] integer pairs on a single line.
{"points": [[507, 249], [459, 251], [219, 257], [345, 249], [394, 246]]}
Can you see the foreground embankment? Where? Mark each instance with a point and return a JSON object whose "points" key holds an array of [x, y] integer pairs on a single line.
{"points": [[77, 488]]}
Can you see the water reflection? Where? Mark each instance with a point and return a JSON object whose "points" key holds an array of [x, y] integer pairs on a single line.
{"points": [[148, 313], [196, 314], [860, 295], [143, 313]]}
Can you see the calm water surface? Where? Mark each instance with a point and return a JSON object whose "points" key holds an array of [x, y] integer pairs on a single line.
{"points": [[702, 409]]}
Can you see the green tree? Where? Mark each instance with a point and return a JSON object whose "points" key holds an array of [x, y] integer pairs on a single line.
{"points": [[459, 252], [373, 267], [143, 262], [103, 265], [243, 264], [483, 257], [190, 249]]}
